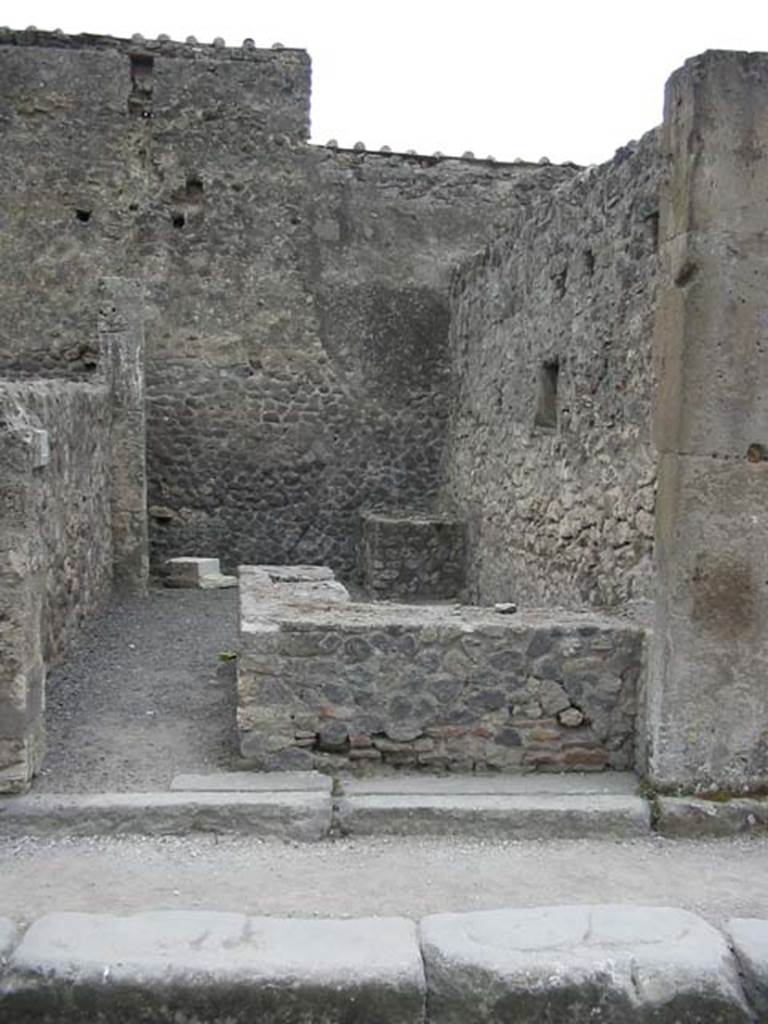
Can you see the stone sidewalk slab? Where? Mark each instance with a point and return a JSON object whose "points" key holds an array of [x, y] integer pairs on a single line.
{"points": [[253, 782], [581, 964], [189, 965], [543, 816], [749, 940], [285, 815], [693, 816]]}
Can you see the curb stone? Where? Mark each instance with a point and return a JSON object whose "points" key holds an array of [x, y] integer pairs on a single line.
{"points": [[215, 967], [580, 964], [690, 816], [749, 939], [576, 965]]}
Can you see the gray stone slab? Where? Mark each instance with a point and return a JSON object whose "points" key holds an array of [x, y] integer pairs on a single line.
{"points": [[514, 817], [581, 964], [304, 816], [685, 816], [530, 784], [177, 965], [749, 940], [7, 937], [253, 782]]}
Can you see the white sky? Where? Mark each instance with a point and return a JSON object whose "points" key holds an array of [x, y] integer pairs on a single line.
{"points": [[568, 80]]}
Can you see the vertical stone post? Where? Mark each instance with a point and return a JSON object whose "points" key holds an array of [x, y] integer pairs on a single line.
{"points": [[22, 669], [121, 336], [707, 688]]}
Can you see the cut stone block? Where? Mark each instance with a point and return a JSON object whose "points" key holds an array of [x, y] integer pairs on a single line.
{"points": [[254, 782], [216, 967], [189, 572], [412, 555], [217, 581], [544, 816], [749, 939], [580, 964], [683, 816], [288, 815], [262, 585]]}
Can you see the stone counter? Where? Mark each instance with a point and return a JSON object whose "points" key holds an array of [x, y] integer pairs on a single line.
{"points": [[437, 687]]}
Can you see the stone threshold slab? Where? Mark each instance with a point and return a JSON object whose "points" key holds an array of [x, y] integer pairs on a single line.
{"points": [[612, 963], [253, 782], [285, 815], [691, 817], [522, 784], [543, 816]]}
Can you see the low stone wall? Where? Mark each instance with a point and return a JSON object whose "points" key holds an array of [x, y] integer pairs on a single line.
{"points": [[411, 556], [55, 547], [436, 688]]}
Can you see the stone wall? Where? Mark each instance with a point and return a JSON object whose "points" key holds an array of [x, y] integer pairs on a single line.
{"points": [[404, 556], [549, 456], [55, 546], [296, 296], [435, 688]]}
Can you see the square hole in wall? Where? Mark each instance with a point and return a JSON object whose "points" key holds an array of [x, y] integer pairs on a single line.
{"points": [[546, 403]]}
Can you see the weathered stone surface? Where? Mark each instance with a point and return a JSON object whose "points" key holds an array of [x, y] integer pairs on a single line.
{"points": [[694, 816], [289, 815], [436, 687], [253, 782], [548, 455], [412, 556], [7, 938], [216, 967], [617, 964], [708, 658], [749, 939], [541, 816]]}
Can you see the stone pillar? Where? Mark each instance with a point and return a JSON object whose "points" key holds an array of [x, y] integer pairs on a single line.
{"points": [[22, 669], [121, 335], [707, 688]]}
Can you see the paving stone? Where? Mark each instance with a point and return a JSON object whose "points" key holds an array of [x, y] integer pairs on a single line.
{"points": [[181, 966], [580, 965], [546, 816], [684, 816], [253, 782], [288, 815], [749, 939]]}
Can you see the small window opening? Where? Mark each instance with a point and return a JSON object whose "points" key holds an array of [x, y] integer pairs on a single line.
{"points": [[140, 100], [546, 406], [178, 220], [83, 215], [194, 189]]}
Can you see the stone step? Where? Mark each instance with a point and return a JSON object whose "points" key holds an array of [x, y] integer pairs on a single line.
{"points": [[683, 817], [286, 815], [524, 806], [494, 816]]}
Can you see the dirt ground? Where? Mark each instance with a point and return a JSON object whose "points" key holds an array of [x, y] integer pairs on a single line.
{"points": [[144, 696]]}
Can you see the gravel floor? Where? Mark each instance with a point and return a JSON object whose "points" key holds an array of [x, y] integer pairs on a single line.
{"points": [[144, 696], [364, 877]]}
